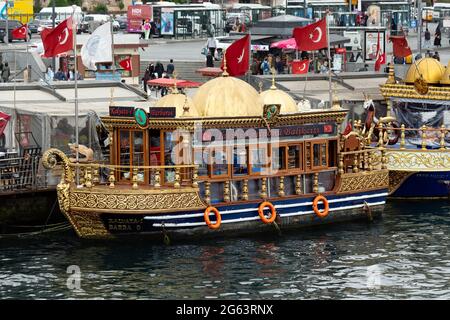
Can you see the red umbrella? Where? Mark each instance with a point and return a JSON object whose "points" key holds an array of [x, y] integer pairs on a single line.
{"points": [[285, 44], [167, 82], [210, 72]]}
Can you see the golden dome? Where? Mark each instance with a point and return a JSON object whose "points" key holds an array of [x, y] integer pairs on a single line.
{"points": [[430, 69], [179, 101], [227, 97], [276, 96], [446, 77]]}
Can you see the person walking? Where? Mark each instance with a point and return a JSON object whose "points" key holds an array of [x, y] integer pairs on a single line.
{"points": [[265, 67], [159, 69], [145, 78], [209, 60], [6, 72], [211, 44], [170, 68], [49, 76], [279, 65], [147, 29], [437, 37], [427, 38]]}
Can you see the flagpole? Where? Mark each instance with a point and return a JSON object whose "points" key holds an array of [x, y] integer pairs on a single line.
{"points": [[75, 76], [113, 65], [329, 62]]}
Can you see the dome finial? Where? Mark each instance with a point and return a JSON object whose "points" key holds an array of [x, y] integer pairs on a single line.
{"points": [[175, 88], [273, 87], [225, 73]]}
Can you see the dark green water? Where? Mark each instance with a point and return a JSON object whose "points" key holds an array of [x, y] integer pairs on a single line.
{"points": [[404, 255]]}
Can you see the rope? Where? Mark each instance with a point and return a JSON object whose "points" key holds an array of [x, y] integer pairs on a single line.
{"points": [[63, 226]]}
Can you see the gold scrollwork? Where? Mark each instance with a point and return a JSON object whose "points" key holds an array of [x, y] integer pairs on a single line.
{"points": [[418, 161], [366, 181]]}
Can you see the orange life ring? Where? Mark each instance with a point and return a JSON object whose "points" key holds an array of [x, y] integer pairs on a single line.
{"points": [[324, 213], [211, 225], [261, 212]]}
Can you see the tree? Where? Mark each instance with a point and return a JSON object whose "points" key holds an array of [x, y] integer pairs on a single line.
{"points": [[101, 8], [58, 3], [121, 5], [76, 2]]}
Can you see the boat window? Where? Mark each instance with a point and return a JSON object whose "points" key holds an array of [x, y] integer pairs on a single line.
{"points": [[279, 158], [295, 157], [131, 152], [169, 174], [138, 152], [201, 158], [124, 153], [259, 160], [219, 165], [319, 153], [155, 147], [240, 161]]}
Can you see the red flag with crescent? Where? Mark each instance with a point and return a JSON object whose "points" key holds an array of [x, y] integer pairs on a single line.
{"points": [[312, 37], [237, 55], [59, 39], [400, 46], [300, 66], [381, 57], [4, 118], [20, 32], [126, 64]]}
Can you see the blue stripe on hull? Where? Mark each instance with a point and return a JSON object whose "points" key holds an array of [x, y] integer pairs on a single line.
{"points": [[424, 185], [237, 213]]}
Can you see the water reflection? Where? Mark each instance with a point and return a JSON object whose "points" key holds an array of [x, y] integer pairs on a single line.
{"points": [[403, 255]]}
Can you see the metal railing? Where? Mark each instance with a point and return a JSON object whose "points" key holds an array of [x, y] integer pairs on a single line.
{"points": [[20, 173]]}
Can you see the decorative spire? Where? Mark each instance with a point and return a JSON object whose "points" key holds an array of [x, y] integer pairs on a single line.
{"points": [[260, 84], [175, 88], [336, 104], [391, 78], [273, 87], [225, 73]]}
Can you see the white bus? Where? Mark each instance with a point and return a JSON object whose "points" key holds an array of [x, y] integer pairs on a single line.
{"points": [[62, 13]]}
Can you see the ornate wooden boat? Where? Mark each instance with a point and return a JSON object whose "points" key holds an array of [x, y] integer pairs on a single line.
{"points": [[419, 160], [171, 175]]}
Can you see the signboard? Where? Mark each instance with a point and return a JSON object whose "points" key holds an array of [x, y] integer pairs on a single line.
{"points": [[136, 14], [21, 10], [122, 112], [371, 44], [309, 129], [260, 47], [355, 39], [162, 112], [374, 16], [167, 20]]}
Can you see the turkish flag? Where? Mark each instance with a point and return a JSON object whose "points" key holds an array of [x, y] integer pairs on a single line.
{"points": [[4, 118], [400, 46], [20, 32], [347, 129], [312, 37], [126, 64], [381, 57], [59, 39], [300, 66], [237, 56]]}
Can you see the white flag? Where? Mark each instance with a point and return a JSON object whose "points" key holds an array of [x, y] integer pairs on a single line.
{"points": [[98, 47]]}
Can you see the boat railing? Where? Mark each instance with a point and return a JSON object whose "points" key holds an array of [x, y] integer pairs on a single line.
{"points": [[433, 139], [20, 173], [364, 160], [91, 174]]}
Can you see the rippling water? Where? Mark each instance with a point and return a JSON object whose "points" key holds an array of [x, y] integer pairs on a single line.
{"points": [[404, 255]]}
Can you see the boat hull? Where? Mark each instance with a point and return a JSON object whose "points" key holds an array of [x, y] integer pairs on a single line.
{"points": [[419, 185], [237, 219]]}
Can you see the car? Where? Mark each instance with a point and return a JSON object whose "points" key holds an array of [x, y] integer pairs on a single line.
{"points": [[33, 26], [92, 21], [123, 22], [12, 24]]}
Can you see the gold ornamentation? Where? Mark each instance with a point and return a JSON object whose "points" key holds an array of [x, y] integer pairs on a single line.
{"points": [[226, 191], [263, 193], [418, 160], [88, 225], [396, 178], [135, 178], [421, 86], [316, 183], [245, 190], [351, 182], [50, 159], [281, 192], [111, 178], [207, 192], [128, 201], [298, 184]]}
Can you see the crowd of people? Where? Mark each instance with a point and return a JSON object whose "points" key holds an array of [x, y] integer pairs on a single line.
{"points": [[155, 71], [60, 75]]}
